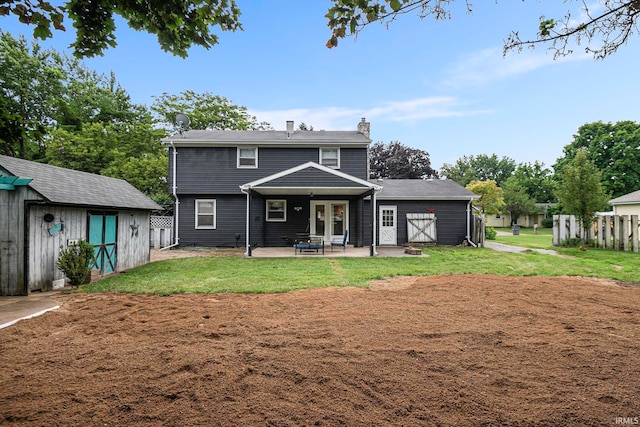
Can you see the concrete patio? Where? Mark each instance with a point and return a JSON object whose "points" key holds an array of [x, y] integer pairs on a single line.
{"points": [[286, 252]]}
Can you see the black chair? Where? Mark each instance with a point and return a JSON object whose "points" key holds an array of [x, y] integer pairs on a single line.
{"points": [[344, 242]]}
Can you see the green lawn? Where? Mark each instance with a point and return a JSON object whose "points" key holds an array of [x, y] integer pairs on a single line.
{"points": [[526, 238], [260, 275]]}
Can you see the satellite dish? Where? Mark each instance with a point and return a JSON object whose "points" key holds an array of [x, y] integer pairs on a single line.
{"points": [[182, 121]]}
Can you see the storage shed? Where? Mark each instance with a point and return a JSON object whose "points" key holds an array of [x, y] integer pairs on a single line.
{"points": [[45, 208]]}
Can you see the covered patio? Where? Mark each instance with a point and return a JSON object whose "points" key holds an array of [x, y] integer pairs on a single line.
{"points": [[350, 252]]}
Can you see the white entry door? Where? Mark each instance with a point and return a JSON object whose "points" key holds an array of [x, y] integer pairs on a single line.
{"points": [[388, 225]]}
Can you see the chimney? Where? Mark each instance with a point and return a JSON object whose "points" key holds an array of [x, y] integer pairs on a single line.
{"points": [[364, 127], [289, 126]]}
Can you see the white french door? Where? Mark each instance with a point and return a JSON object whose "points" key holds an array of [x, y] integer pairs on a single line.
{"points": [[329, 218], [388, 225]]}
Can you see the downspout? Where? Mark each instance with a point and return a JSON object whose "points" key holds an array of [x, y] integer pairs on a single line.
{"points": [[374, 205], [174, 192], [247, 191], [469, 225]]}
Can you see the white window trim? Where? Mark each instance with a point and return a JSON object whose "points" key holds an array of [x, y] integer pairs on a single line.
{"points": [[337, 149], [215, 214], [276, 219], [255, 149]]}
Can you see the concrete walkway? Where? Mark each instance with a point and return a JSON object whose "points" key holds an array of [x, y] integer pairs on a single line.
{"points": [[14, 309], [501, 247]]}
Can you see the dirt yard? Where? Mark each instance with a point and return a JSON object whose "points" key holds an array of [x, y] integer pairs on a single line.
{"points": [[447, 350]]}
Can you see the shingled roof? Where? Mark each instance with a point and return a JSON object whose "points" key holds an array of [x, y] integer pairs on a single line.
{"points": [[628, 199], [423, 189], [70, 187]]}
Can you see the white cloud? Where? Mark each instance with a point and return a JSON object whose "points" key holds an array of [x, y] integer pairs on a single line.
{"points": [[339, 118], [489, 65]]}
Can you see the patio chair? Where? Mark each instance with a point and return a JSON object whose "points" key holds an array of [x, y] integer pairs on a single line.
{"points": [[343, 243]]}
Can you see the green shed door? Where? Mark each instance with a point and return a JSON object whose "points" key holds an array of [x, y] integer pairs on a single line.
{"points": [[103, 236]]}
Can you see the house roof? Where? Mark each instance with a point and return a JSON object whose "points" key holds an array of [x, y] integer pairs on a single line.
{"points": [[199, 138], [70, 187], [420, 189], [628, 199], [310, 178]]}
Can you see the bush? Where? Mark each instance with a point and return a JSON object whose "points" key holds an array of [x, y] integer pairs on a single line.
{"points": [[490, 233], [76, 261], [547, 223]]}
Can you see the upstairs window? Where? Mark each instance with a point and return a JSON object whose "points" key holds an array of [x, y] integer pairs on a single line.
{"points": [[277, 210], [206, 214], [330, 157], [247, 157]]}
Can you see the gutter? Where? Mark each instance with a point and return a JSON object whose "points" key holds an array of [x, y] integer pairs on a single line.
{"points": [[247, 190], [174, 192]]}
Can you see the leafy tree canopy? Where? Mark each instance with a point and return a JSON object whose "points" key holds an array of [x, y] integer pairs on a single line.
{"points": [[397, 161], [178, 24], [536, 181], [602, 27], [205, 111], [517, 200], [615, 151], [479, 168], [491, 199], [580, 190]]}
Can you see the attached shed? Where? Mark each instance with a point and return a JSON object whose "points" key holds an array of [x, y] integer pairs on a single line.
{"points": [[423, 212], [45, 208]]}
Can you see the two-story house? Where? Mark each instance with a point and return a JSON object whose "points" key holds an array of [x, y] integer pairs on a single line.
{"points": [[268, 188]]}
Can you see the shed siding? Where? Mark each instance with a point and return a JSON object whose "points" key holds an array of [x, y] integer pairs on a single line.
{"points": [[133, 248], [12, 241], [44, 249], [451, 217], [208, 170]]}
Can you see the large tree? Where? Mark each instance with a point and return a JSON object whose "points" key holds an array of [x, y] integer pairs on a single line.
{"points": [[602, 27], [615, 151], [580, 190], [536, 180], [479, 168], [206, 111], [397, 161], [31, 82], [516, 199], [491, 199], [178, 24]]}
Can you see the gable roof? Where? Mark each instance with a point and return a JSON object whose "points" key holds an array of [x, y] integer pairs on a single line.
{"points": [[423, 189], [205, 138], [628, 199], [310, 178], [70, 187]]}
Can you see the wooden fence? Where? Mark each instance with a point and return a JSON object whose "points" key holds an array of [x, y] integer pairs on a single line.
{"points": [[619, 232], [161, 231]]}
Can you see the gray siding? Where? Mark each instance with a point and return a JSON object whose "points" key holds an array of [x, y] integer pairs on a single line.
{"points": [[212, 170], [12, 240], [230, 220], [451, 219], [311, 177]]}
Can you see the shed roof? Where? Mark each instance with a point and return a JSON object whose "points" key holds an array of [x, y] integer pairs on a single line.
{"points": [[70, 187], [423, 189], [628, 199]]}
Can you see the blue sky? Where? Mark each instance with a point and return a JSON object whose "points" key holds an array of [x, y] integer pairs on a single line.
{"points": [[443, 87]]}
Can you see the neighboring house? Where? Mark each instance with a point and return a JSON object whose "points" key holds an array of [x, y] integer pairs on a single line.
{"points": [[44, 208], [270, 188], [629, 204], [504, 219]]}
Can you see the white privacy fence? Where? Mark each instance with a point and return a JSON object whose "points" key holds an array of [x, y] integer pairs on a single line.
{"points": [[619, 232], [161, 231]]}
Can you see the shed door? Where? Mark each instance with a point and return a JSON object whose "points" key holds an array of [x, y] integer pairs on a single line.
{"points": [[103, 236], [421, 228], [388, 225]]}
